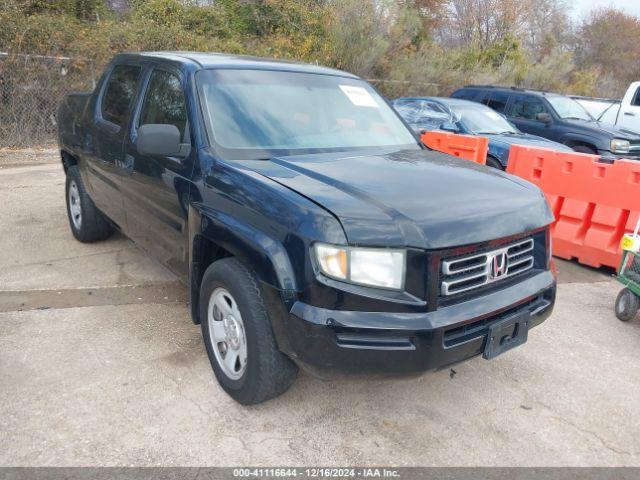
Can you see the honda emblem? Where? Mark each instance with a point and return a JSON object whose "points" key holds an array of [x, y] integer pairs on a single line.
{"points": [[498, 266]]}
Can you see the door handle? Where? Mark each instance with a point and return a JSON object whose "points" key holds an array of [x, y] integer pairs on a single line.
{"points": [[630, 114]]}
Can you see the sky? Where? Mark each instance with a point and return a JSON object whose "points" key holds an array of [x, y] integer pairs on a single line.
{"points": [[581, 8]]}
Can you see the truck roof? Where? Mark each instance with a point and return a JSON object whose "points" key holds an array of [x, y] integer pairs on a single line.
{"points": [[222, 60], [515, 89]]}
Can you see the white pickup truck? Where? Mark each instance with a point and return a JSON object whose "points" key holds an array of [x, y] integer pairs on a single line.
{"points": [[624, 113]]}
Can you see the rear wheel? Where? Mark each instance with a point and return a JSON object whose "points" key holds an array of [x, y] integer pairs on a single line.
{"points": [[87, 223], [627, 305], [237, 334]]}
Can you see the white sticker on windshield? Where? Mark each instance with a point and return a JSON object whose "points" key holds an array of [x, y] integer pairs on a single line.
{"points": [[359, 96]]}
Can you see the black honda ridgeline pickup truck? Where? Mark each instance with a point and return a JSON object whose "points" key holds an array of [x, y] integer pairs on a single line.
{"points": [[312, 227]]}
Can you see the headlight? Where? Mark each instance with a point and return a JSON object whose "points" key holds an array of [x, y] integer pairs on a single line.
{"points": [[619, 146], [375, 267]]}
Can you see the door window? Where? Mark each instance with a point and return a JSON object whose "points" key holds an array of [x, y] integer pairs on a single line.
{"points": [[164, 102], [119, 92], [498, 101], [527, 107], [636, 100], [466, 94]]}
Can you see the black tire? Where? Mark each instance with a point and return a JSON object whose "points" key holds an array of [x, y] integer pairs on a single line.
{"points": [[493, 162], [268, 372], [627, 305], [584, 149], [93, 226]]}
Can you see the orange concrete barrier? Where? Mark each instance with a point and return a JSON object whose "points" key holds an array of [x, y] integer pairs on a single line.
{"points": [[594, 203], [464, 146]]}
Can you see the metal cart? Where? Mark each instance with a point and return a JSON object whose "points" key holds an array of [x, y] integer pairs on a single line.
{"points": [[628, 301]]}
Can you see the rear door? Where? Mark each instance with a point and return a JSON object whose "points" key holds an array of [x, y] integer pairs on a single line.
{"points": [[523, 114], [498, 101], [108, 169], [472, 94], [157, 193]]}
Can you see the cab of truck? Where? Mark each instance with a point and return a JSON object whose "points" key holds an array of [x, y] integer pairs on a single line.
{"points": [[310, 225]]}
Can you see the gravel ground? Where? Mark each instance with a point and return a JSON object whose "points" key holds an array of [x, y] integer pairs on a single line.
{"points": [[100, 365]]}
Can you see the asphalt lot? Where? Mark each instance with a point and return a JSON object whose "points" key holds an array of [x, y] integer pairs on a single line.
{"points": [[100, 365]]}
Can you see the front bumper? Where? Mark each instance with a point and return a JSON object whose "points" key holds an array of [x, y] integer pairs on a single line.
{"points": [[382, 342], [610, 157]]}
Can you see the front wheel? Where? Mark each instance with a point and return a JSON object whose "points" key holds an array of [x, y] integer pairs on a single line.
{"points": [[493, 162], [627, 305], [238, 337]]}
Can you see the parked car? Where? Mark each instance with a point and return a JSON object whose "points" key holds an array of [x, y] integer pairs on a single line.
{"points": [[558, 118], [623, 113], [469, 118], [309, 223]]}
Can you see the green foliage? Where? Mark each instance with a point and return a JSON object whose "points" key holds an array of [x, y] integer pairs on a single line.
{"points": [[81, 9], [396, 41]]}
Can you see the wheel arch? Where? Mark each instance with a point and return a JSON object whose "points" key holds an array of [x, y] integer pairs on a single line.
{"points": [[496, 159], [214, 235], [68, 159], [575, 141]]}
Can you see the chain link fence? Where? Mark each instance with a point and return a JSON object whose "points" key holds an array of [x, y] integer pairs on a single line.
{"points": [[31, 88]]}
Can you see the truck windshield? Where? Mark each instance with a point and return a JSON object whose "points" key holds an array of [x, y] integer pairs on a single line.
{"points": [[568, 108], [254, 114]]}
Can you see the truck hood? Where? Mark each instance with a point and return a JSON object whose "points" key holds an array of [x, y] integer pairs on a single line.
{"points": [[413, 198], [613, 131]]}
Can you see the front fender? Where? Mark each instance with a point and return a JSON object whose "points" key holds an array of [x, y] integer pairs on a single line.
{"points": [[582, 138], [500, 152], [267, 256]]}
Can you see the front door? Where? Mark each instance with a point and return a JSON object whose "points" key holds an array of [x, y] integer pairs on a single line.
{"points": [[157, 192], [524, 115]]}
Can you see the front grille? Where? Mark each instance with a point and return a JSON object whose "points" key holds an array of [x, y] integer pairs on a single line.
{"points": [[466, 273]]}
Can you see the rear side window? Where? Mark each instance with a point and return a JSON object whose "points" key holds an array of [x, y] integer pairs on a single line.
{"points": [[498, 101], [527, 107], [164, 102], [466, 93], [119, 92]]}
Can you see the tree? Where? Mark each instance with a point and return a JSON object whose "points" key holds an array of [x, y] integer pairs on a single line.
{"points": [[547, 27], [481, 23], [609, 40]]}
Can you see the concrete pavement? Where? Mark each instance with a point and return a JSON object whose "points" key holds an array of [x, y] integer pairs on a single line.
{"points": [[100, 365]]}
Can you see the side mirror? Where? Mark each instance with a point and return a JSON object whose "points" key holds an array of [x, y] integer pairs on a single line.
{"points": [[161, 140], [543, 117], [450, 127]]}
